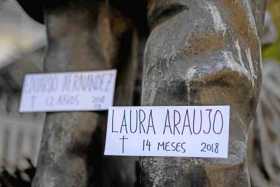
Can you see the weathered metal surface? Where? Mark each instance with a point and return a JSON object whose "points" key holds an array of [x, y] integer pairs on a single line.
{"points": [[86, 36], [198, 53], [203, 53]]}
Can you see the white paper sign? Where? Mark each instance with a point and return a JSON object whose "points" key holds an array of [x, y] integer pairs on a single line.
{"points": [[177, 131], [77, 91]]}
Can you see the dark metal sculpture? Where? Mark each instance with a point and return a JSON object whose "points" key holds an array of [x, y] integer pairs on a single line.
{"points": [[204, 53], [198, 52]]}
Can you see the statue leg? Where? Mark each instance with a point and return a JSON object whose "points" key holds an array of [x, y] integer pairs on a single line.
{"points": [[83, 36], [204, 52]]}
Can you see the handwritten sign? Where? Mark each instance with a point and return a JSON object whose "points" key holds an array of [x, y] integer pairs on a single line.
{"points": [[77, 91], [178, 131]]}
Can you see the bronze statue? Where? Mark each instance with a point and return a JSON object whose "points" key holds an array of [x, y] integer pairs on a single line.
{"points": [[197, 52], [205, 53]]}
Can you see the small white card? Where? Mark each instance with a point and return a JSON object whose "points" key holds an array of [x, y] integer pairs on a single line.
{"points": [[171, 131], [73, 91]]}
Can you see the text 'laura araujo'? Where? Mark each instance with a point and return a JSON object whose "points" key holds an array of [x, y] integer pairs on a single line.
{"points": [[179, 131]]}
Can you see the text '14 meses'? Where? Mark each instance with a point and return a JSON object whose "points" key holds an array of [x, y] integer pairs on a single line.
{"points": [[177, 131]]}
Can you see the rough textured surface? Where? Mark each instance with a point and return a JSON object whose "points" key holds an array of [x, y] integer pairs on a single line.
{"points": [[199, 53], [86, 36]]}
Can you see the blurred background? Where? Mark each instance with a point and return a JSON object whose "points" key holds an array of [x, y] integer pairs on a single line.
{"points": [[22, 47]]}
